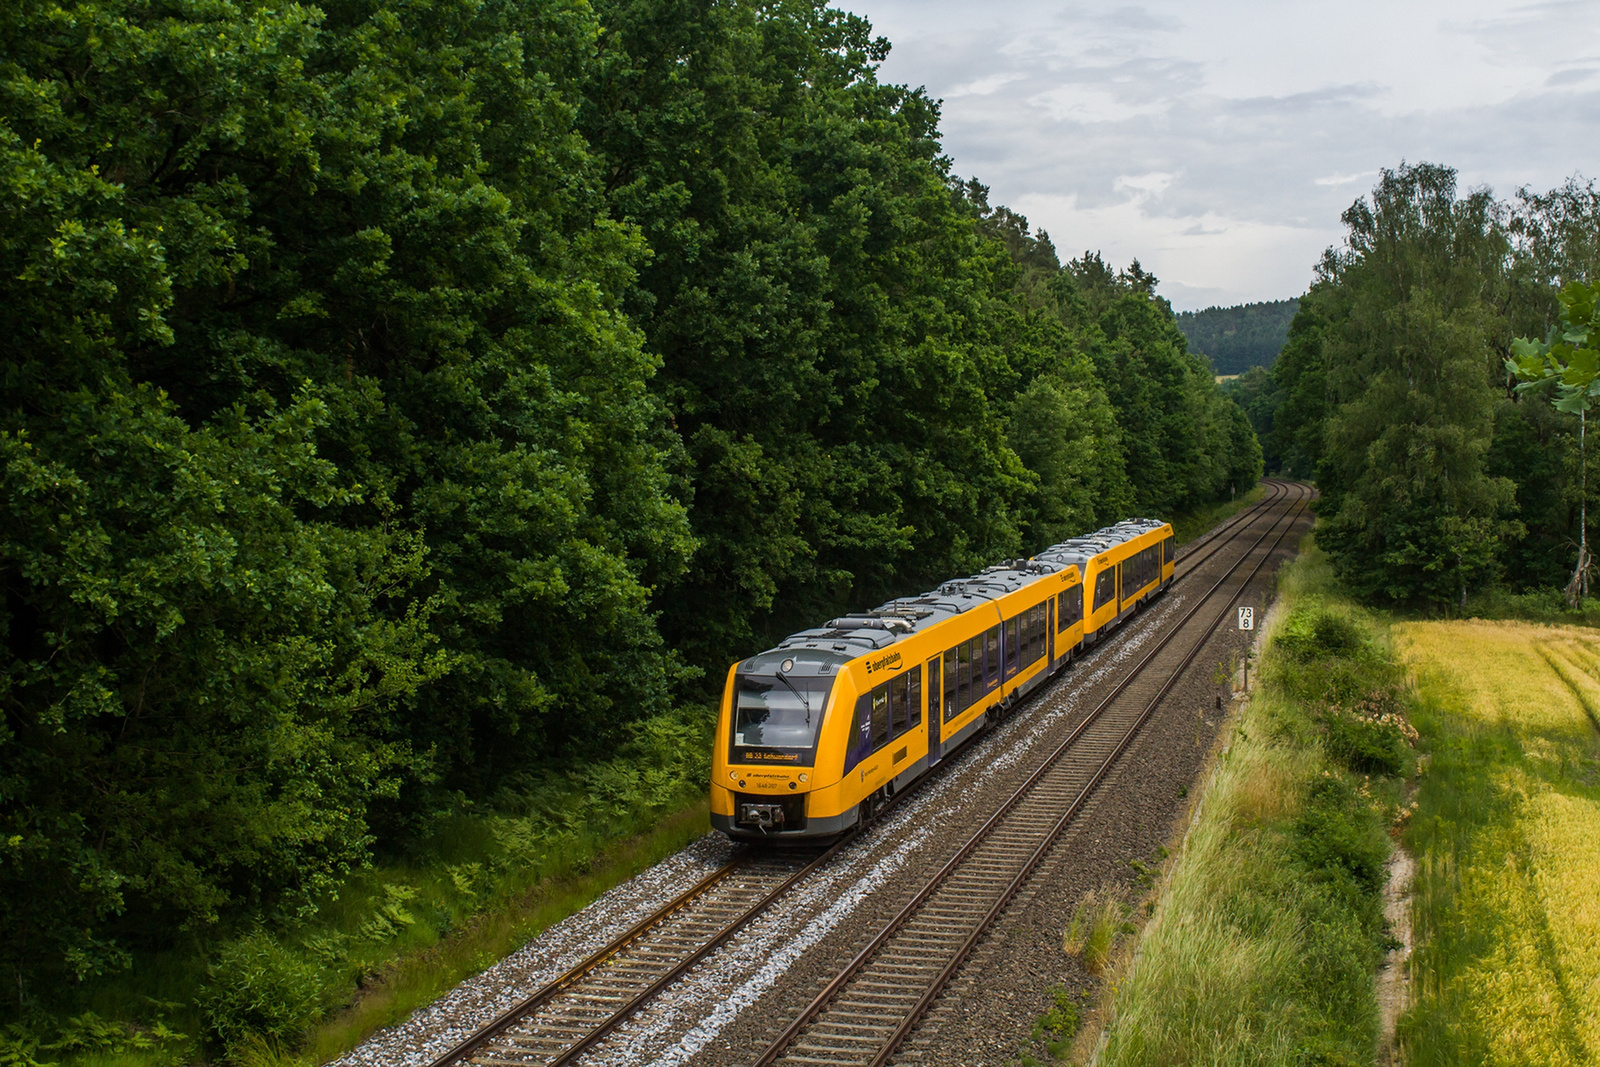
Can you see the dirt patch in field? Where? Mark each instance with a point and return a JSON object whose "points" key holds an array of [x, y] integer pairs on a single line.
{"points": [[1394, 978]]}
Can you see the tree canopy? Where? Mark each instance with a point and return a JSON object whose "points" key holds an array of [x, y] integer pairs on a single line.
{"points": [[400, 399], [1437, 477]]}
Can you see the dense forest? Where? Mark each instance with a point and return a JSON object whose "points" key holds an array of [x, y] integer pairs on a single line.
{"points": [[1239, 337], [1440, 476], [401, 404]]}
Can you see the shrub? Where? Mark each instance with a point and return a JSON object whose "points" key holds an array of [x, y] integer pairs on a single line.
{"points": [[1058, 1026], [1338, 840], [1366, 746], [1321, 634], [257, 987]]}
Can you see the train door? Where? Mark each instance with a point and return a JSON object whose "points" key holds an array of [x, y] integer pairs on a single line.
{"points": [[1050, 632], [935, 743]]}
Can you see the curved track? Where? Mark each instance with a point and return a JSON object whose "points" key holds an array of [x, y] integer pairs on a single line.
{"points": [[558, 1023]]}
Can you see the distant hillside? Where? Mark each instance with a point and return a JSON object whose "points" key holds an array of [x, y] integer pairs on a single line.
{"points": [[1239, 337]]}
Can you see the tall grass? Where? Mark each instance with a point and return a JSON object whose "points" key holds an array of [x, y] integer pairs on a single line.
{"points": [[1507, 837], [1267, 933]]}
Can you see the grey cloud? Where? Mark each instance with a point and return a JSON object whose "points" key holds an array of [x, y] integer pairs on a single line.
{"points": [[1088, 100], [1569, 77]]}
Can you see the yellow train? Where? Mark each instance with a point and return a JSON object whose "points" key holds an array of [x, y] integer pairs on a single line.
{"points": [[818, 734]]}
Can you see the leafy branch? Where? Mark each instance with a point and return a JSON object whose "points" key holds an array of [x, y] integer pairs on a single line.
{"points": [[1568, 360]]}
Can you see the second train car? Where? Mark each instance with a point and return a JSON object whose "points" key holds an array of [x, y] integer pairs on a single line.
{"points": [[817, 735]]}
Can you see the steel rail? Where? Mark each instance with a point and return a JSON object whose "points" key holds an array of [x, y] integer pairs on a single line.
{"points": [[820, 1003], [464, 1050], [1279, 490]]}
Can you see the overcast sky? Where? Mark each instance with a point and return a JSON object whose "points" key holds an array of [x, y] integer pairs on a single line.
{"points": [[1219, 141]]}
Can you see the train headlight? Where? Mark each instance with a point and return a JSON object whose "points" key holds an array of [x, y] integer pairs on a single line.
{"points": [[805, 777], [733, 776]]}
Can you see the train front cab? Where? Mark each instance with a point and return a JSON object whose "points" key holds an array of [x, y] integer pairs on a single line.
{"points": [[771, 740]]}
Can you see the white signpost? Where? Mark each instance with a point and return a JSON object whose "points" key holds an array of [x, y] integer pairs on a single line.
{"points": [[1247, 621]]}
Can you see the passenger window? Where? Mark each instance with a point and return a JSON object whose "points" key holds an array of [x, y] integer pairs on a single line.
{"points": [[916, 692], [950, 690], [861, 729], [1105, 587], [880, 716], [1011, 647], [992, 640], [900, 703], [964, 666]]}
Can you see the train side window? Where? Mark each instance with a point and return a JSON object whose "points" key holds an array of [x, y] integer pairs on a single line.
{"points": [[992, 643], [964, 666], [1011, 647], [900, 703], [914, 684], [1105, 587], [1075, 604], [861, 728], [951, 674], [880, 716], [1037, 630], [1069, 608]]}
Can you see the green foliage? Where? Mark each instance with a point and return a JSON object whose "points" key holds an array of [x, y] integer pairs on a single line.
{"points": [[1064, 430], [1240, 337], [1567, 361], [257, 986], [1270, 926], [1339, 843], [1058, 1026], [1260, 397], [1413, 515], [1392, 389], [407, 409], [330, 470]]}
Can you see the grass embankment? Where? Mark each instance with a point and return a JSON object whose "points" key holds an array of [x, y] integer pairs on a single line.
{"points": [[1266, 937], [477, 883], [1507, 839], [1190, 525]]}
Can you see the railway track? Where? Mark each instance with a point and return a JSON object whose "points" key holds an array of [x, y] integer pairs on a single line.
{"points": [[1208, 545], [565, 1018], [865, 1014]]}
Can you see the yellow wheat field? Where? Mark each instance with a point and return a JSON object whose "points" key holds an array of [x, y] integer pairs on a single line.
{"points": [[1518, 863]]}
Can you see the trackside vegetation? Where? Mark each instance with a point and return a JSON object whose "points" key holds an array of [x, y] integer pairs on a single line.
{"points": [[407, 411], [1506, 837], [1440, 478], [1268, 931]]}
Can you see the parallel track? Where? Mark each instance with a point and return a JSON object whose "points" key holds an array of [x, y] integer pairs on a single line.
{"points": [[1208, 545], [565, 1018], [562, 1020], [868, 1010]]}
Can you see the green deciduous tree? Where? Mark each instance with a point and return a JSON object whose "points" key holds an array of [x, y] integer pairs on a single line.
{"points": [[1566, 364], [1412, 513], [331, 467]]}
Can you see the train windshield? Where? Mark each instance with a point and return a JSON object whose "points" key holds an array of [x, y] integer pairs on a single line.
{"points": [[779, 711]]}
